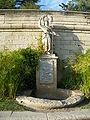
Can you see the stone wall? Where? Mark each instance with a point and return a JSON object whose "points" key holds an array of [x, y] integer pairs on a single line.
{"points": [[19, 29]]}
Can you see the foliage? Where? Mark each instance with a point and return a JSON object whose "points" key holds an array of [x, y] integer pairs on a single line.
{"points": [[25, 4], [88, 1], [76, 5], [85, 104], [70, 79], [6, 4], [39, 48], [76, 73], [82, 67], [7, 104], [29, 5], [17, 70]]}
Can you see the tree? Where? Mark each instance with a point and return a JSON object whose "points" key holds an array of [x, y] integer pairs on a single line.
{"points": [[6, 4], [76, 5], [88, 1], [29, 5], [23, 4]]}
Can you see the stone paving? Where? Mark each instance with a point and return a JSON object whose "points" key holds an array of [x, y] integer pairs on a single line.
{"points": [[38, 103], [28, 115]]}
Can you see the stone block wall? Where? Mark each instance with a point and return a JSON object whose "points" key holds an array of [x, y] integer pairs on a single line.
{"points": [[19, 29]]}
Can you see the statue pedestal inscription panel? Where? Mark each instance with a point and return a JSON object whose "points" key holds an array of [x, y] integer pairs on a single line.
{"points": [[46, 75], [46, 72]]}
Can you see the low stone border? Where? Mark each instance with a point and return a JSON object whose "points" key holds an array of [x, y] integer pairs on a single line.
{"points": [[28, 115], [38, 104]]}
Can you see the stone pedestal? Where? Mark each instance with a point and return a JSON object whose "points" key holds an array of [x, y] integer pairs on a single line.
{"points": [[46, 75]]}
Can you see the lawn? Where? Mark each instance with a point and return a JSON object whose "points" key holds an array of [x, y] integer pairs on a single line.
{"points": [[85, 104], [7, 104]]}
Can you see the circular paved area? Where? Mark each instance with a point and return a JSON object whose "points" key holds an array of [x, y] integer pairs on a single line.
{"points": [[37, 103]]}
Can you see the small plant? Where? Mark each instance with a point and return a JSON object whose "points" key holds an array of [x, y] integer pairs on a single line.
{"points": [[17, 71], [82, 67], [40, 48], [76, 73]]}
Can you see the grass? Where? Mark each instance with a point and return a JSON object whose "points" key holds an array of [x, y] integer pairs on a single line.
{"points": [[7, 104], [85, 104]]}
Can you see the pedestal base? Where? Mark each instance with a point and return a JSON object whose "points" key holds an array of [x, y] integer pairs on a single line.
{"points": [[46, 75]]}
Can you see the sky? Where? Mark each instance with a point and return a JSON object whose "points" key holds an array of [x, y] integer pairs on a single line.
{"points": [[51, 4]]}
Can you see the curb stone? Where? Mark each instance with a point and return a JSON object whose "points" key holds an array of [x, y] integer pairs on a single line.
{"points": [[28, 115]]}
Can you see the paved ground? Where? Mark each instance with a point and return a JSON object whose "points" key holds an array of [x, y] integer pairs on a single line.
{"points": [[28, 115]]}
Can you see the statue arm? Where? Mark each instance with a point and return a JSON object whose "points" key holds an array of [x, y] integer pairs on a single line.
{"points": [[44, 29], [39, 23]]}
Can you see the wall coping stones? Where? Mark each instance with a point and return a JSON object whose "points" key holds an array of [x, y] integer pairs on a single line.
{"points": [[35, 10]]}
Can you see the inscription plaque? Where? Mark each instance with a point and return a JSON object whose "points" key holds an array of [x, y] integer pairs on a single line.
{"points": [[46, 72]]}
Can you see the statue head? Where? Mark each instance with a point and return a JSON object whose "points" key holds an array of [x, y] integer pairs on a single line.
{"points": [[46, 20]]}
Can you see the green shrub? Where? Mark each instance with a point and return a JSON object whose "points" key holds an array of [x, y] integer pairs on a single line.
{"points": [[70, 79], [82, 67], [40, 47], [76, 73], [17, 70]]}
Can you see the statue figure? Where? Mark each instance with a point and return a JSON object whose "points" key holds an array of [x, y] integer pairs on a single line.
{"points": [[47, 36]]}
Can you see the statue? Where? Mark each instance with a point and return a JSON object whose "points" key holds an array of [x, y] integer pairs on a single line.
{"points": [[47, 36]]}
